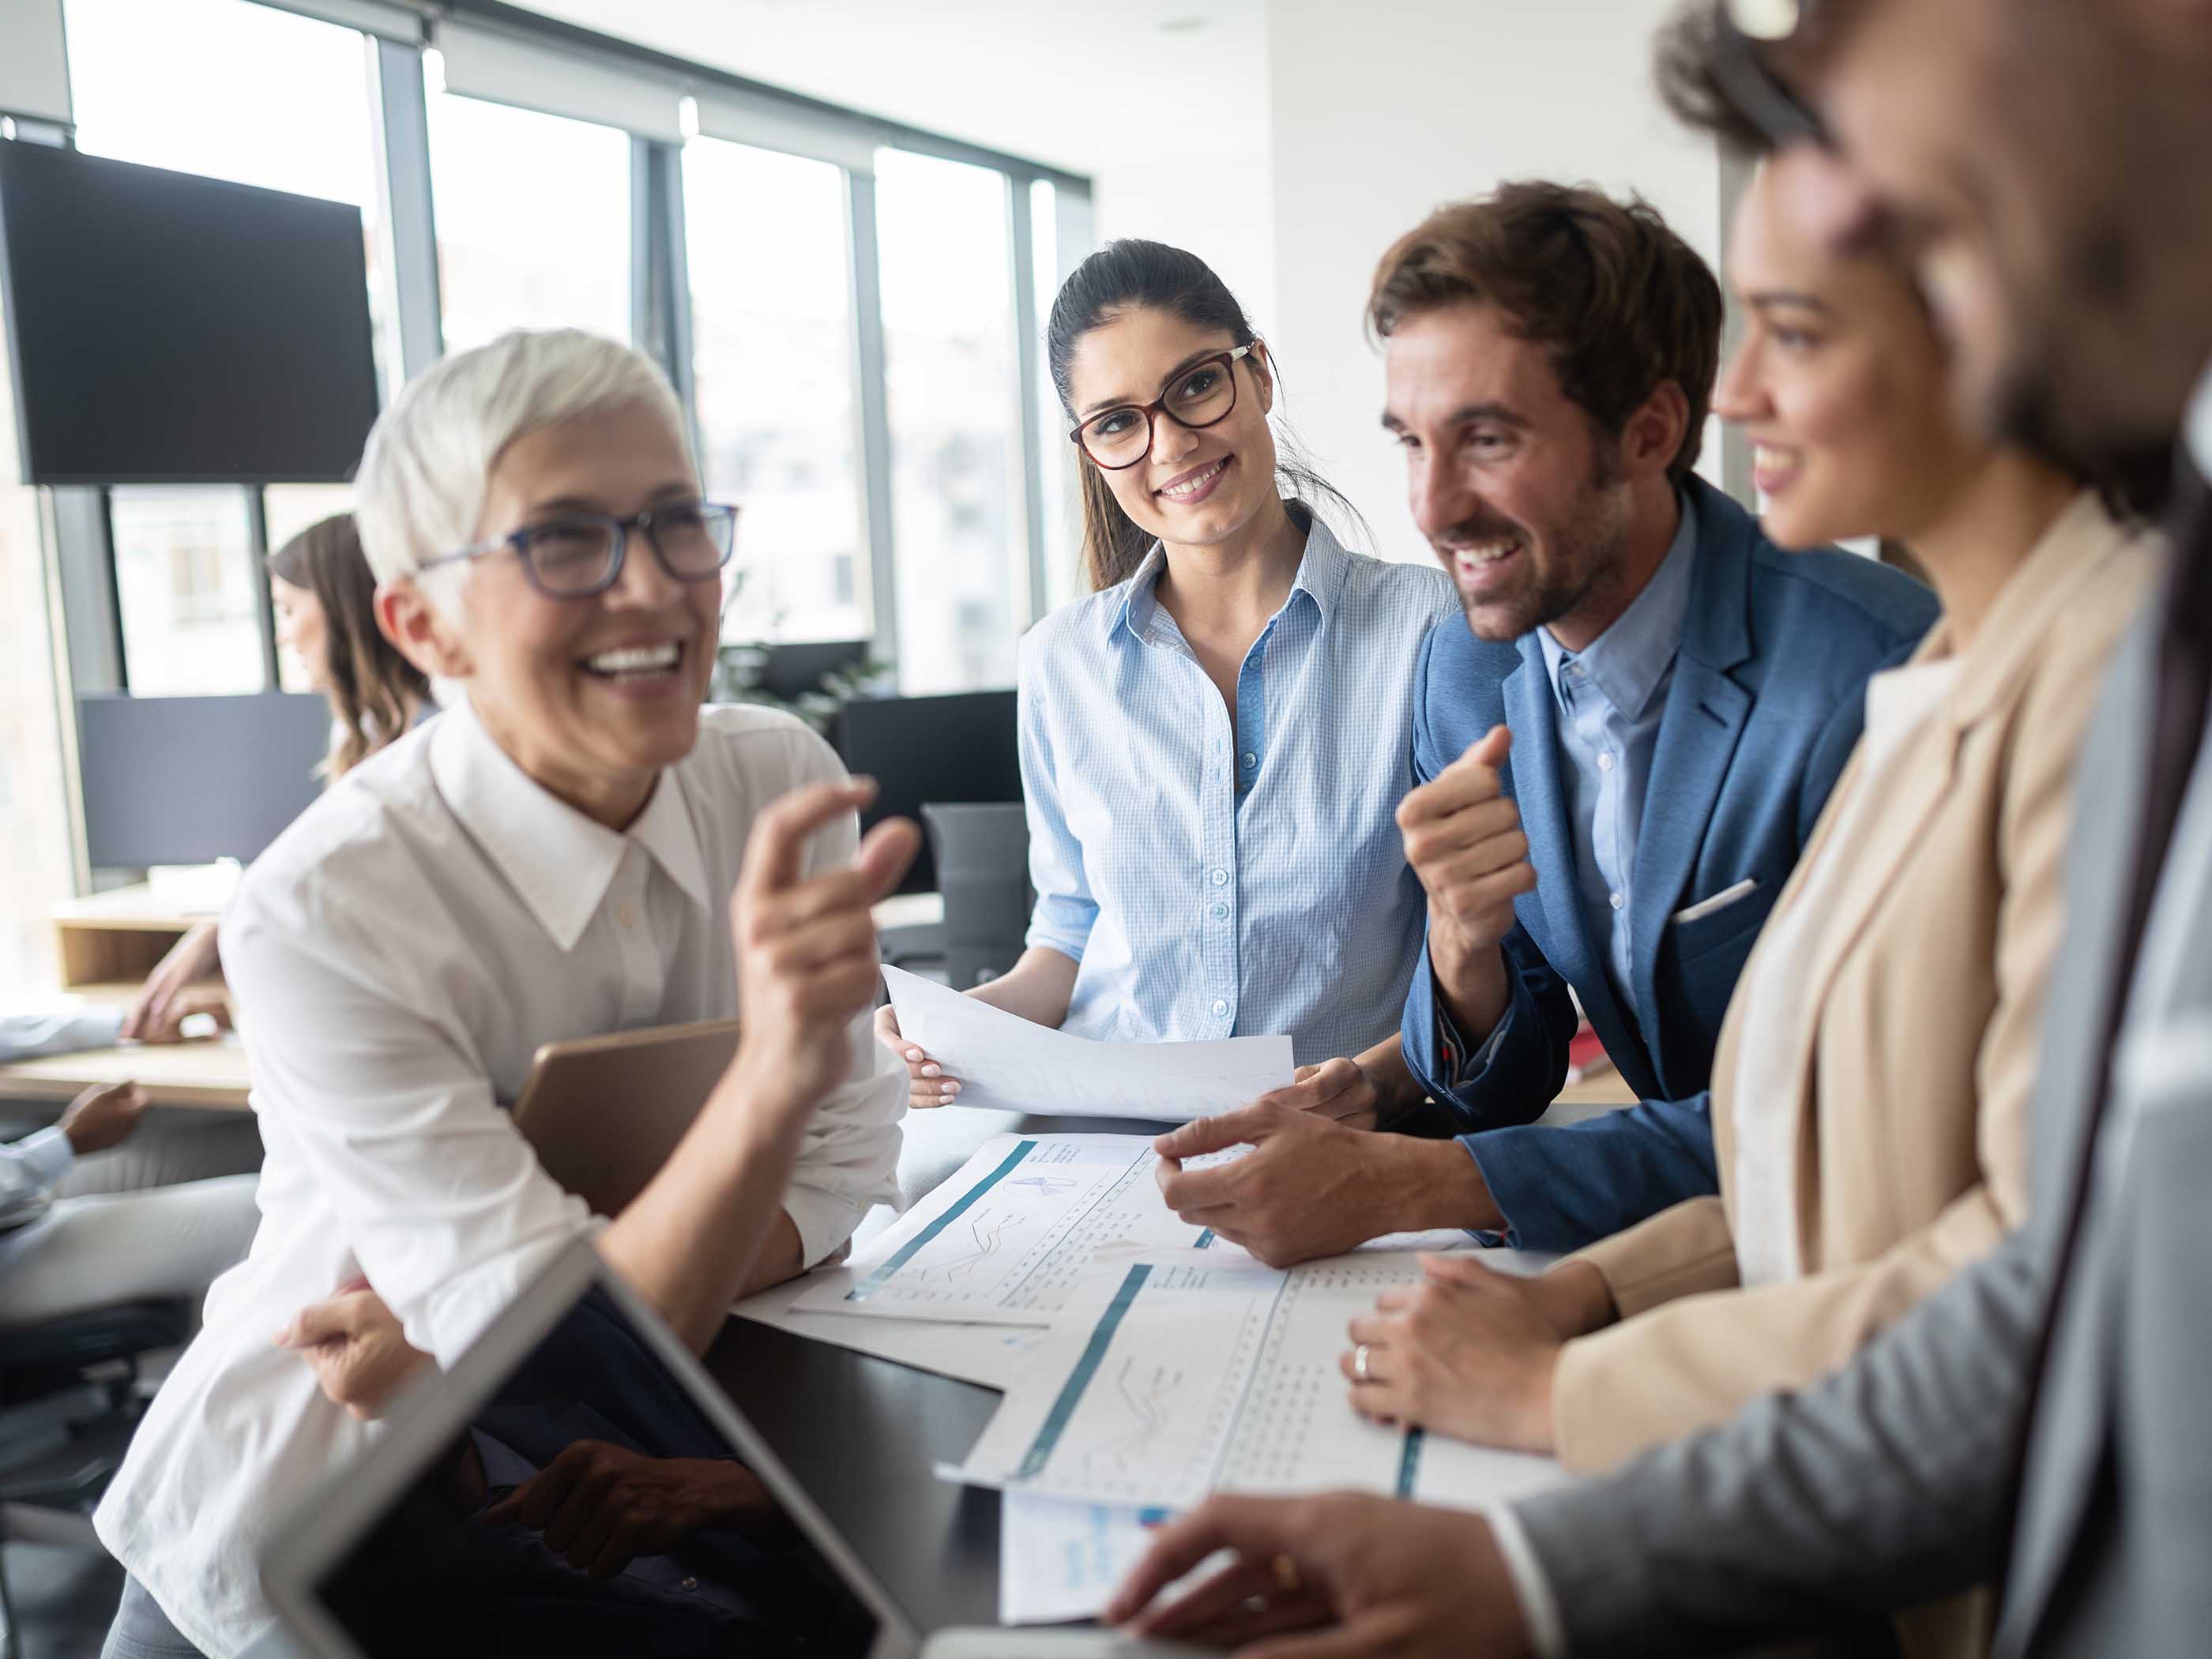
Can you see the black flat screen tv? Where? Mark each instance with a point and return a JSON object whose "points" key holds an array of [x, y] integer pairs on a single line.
{"points": [[172, 329]]}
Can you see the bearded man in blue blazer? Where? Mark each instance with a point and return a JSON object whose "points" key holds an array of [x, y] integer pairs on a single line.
{"points": [[1623, 747]]}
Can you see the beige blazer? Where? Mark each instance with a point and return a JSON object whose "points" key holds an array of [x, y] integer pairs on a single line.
{"points": [[1928, 975]]}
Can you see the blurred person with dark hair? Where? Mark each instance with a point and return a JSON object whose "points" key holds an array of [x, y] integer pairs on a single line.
{"points": [[1677, 697], [324, 595]]}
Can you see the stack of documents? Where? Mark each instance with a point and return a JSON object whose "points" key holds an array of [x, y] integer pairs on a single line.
{"points": [[1144, 1363]]}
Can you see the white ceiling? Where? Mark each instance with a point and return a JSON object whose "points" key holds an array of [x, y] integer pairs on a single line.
{"points": [[1089, 85]]}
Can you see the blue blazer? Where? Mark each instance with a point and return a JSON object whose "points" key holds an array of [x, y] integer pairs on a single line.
{"points": [[1765, 705]]}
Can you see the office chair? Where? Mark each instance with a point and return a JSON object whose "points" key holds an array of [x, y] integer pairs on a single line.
{"points": [[68, 1401], [983, 853]]}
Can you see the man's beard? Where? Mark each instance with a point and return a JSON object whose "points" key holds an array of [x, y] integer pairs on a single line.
{"points": [[1585, 554]]}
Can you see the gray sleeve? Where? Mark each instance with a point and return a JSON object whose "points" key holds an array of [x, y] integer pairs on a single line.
{"points": [[1879, 1487]]}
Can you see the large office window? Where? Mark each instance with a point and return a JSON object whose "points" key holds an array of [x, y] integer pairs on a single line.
{"points": [[228, 89], [768, 246], [184, 576], [533, 222], [1057, 459], [957, 505]]}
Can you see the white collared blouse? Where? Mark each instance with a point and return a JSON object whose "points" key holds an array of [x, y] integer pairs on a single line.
{"points": [[400, 954]]}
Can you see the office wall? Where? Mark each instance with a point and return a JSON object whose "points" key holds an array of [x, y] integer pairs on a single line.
{"points": [[1219, 203], [1384, 110], [35, 871]]}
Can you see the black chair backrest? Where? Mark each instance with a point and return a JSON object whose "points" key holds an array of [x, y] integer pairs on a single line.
{"points": [[983, 853]]}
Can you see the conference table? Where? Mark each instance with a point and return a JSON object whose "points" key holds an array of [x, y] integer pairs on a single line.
{"points": [[864, 1436]]}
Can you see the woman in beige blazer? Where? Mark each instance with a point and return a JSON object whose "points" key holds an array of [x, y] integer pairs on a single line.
{"points": [[1871, 1090]]}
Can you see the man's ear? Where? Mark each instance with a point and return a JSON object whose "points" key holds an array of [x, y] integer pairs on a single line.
{"points": [[405, 616], [1655, 432]]}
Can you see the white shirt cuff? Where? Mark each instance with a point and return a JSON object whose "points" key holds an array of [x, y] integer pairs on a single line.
{"points": [[1540, 1608], [824, 1221], [46, 1156]]}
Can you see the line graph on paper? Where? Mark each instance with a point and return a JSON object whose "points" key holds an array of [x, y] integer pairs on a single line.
{"points": [[1257, 1405], [1257, 1402], [985, 1231], [1148, 1393], [1007, 1238]]}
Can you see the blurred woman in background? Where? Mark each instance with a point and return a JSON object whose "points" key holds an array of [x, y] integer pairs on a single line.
{"points": [[326, 600]]}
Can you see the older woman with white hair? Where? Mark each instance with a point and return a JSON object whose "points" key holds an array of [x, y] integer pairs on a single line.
{"points": [[576, 847]]}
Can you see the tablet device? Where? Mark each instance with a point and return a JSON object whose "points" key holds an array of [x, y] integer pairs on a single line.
{"points": [[603, 1112], [577, 1429]]}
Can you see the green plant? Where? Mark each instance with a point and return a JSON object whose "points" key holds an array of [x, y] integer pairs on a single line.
{"points": [[736, 678]]}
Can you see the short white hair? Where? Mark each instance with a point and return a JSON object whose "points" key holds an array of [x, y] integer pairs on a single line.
{"points": [[421, 491]]}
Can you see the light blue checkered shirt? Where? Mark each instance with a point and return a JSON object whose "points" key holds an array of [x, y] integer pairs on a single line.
{"points": [[1215, 881]]}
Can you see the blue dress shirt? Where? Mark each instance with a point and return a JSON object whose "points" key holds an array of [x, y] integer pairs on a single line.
{"points": [[1215, 875], [1611, 695]]}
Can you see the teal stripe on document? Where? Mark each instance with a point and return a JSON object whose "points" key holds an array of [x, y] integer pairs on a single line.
{"points": [[874, 1281], [1409, 1463], [1071, 1392]]}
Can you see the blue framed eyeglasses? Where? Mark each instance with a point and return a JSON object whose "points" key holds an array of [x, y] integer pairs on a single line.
{"points": [[580, 554]]}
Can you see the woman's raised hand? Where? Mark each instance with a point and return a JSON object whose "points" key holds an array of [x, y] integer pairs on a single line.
{"points": [[807, 945]]}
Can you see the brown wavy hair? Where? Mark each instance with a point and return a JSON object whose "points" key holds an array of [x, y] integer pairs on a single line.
{"points": [[372, 686], [1619, 303]]}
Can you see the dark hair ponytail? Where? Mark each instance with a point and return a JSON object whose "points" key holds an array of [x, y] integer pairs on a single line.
{"points": [[372, 686], [1128, 276]]}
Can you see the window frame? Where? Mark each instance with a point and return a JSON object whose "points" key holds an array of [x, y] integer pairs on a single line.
{"points": [[77, 520]]}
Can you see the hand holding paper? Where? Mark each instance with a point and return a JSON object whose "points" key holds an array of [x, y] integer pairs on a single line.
{"points": [[1006, 1062]]}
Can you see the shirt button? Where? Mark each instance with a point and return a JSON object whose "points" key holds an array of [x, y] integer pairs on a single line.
{"points": [[1251, 760], [626, 915], [691, 1583], [1605, 763], [1220, 1006], [1220, 910], [1617, 901], [1221, 879]]}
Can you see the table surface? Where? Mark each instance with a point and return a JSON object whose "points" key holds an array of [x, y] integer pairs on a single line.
{"points": [[864, 1436], [209, 1073]]}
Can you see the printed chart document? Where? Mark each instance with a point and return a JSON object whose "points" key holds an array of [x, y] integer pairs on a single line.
{"points": [[996, 1356], [1004, 1240], [1204, 1372], [1060, 1560], [1009, 1063]]}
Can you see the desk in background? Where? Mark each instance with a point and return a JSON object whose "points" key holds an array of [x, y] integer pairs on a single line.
{"points": [[108, 943]]}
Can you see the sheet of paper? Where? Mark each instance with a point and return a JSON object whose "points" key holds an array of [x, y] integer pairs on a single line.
{"points": [[1009, 1063], [1198, 1371], [1059, 1561], [995, 1356], [1004, 1240]]}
